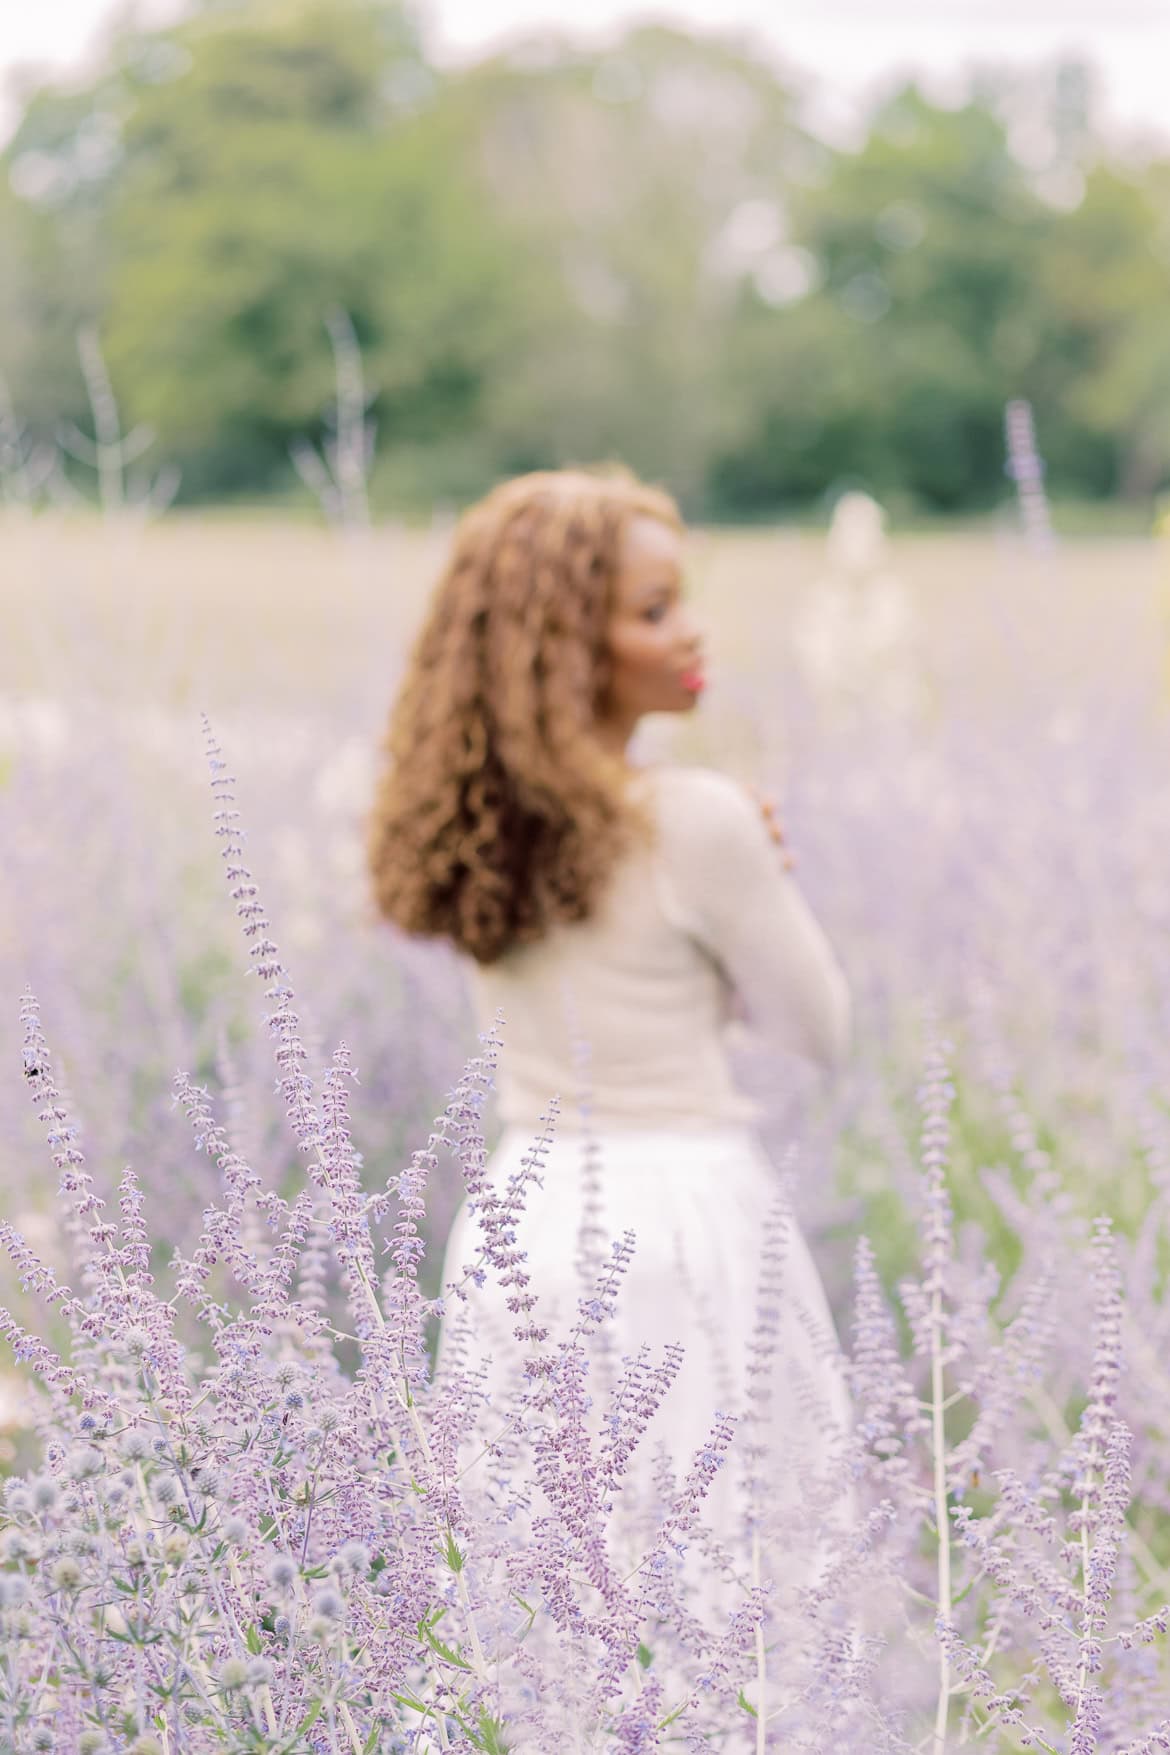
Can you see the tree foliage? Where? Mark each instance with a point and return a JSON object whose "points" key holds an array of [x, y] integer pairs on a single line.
{"points": [[558, 254]]}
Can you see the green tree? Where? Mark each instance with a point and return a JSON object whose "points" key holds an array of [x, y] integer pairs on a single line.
{"points": [[921, 319], [293, 162], [561, 254], [613, 175], [1104, 284], [56, 178]]}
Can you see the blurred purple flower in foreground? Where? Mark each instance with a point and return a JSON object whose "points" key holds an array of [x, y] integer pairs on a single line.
{"points": [[249, 1524]]}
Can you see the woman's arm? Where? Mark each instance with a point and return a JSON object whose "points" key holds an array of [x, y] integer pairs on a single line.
{"points": [[749, 914]]}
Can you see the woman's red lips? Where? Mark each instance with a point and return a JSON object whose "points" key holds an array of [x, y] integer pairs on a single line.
{"points": [[694, 680]]}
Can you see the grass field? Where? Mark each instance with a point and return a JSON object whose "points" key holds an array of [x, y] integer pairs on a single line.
{"points": [[291, 639], [989, 857]]}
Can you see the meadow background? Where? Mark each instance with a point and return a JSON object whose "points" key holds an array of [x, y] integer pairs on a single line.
{"points": [[278, 297], [564, 251]]}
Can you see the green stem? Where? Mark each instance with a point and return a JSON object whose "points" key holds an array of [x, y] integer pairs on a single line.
{"points": [[942, 1524]]}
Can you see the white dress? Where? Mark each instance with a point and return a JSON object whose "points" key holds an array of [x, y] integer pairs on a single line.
{"points": [[624, 1019]]}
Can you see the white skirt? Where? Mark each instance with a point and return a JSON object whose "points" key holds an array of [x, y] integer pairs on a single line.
{"points": [[720, 1267]]}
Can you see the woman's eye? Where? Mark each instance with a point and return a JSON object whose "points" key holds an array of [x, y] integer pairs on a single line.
{"points": [[656, 612]]}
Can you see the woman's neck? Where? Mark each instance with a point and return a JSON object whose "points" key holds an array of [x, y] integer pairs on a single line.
{"points": [[614, 737]]}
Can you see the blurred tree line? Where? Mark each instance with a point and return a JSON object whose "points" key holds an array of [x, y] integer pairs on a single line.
{"points": [[556, 255]]}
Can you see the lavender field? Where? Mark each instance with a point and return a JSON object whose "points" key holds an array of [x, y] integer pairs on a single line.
{"points": [[979, 803]]}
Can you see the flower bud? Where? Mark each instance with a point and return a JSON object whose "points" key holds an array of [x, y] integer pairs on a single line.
{"points": [[45, 1492], [65, 1573], [15, 1545], [356, 1558], [330, 1603], [282, 1572], [84, 1462], [233, 1673]]}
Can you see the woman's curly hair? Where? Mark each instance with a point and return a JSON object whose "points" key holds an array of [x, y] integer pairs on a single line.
{"points": [[498, 812]]}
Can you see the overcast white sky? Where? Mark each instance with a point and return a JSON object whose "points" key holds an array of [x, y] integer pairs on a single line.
{"points": [[847, 46]]}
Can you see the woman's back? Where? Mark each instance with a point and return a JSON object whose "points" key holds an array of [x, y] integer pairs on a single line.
{"points": [[649, 981]]}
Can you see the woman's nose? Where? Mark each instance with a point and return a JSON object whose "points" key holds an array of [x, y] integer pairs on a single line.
{"points": [[696, 634]]}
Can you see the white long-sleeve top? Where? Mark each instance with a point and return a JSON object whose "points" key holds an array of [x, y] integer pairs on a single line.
{"points": [[649, 983]]}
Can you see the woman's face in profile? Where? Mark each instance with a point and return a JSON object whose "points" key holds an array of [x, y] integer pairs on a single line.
{"points": [[655, 643]]}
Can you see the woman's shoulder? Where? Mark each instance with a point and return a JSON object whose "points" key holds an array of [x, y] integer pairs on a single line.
{"points": [[698, 805], [688, 782]]}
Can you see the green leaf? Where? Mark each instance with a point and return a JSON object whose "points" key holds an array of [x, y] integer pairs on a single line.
{"points": [[645, 1655], [408, 1700], [444, 1651], [453, 1556], [492, 1732], [253, 1641], [746, 1704], [311, 1716]]}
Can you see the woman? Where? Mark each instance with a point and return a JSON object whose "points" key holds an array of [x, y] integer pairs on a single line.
{"points": [[618, 917]]}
